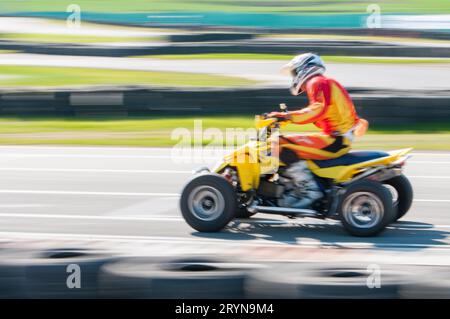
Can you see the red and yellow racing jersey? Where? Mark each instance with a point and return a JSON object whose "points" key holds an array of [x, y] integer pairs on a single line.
{"points": [[330, 107]]}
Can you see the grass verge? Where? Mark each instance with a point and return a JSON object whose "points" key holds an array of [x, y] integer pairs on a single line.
{"points": [[300, 6], [157, 132], [56, 77], [74, 38]]}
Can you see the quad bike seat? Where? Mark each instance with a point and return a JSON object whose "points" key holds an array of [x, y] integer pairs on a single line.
{"points": [[351, 158]]}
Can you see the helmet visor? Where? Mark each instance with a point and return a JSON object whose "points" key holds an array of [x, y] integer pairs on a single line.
{"points": [[295, 85]]}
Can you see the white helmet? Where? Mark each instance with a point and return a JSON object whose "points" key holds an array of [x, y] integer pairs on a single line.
{"points": [[301, 68]]}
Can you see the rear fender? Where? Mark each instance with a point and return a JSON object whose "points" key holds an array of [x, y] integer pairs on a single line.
{"points": [[342, 174]]}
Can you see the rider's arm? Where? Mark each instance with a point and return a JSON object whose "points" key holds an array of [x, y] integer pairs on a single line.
{"points": [[318, 92]]}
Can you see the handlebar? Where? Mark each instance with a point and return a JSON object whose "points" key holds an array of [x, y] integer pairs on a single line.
{"points": [[283, 108], [266, 116]]}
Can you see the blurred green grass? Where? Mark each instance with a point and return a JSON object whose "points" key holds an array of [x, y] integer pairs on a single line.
{"points": [[59, 77], [74, 38], [287, 6], [8, 51], [157, 131]]}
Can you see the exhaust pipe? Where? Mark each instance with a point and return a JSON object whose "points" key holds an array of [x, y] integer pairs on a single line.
{"points": [[282, 210]]}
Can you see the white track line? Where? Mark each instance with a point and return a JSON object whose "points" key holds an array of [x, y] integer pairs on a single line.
{"points": [[146, 149], [428, 176], [38, 192], [51, 192], [433, 200], [175, 158], [426, 162], [431, 154], [171, 157], [93, 170], [104, 149], [97, 217], [141, 171], [44, 155], [177, 219], [22, 205]]}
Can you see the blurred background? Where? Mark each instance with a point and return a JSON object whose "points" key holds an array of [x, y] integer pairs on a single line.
{"points": [[84, 83], [144, 61]]}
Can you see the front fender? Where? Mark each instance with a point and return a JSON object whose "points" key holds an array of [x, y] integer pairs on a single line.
{"points": [[246, 164]]}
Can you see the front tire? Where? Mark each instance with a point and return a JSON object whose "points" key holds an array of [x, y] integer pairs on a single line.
{"points": [[208, 203], [366, 208], [405, 195]]}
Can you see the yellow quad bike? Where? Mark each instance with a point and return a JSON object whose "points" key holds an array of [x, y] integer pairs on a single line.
{"points": [[365, 190]]}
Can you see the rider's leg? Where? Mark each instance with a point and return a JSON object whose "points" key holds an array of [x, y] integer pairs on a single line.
{"points": [[306, 190], [315, 146]]}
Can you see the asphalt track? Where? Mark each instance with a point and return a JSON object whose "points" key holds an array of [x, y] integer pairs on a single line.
{"points": [[127, 198], [354, 75]]}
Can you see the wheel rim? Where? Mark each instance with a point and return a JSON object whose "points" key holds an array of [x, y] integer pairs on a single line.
{"points": [[363, 209], [394, 193], [206, 203]]}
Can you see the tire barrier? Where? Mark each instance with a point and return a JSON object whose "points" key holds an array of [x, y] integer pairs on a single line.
{"points": [[186, 278], [12, 277], [378, 32], [47, 274], [435, 285], [242, 46], [324, 280], [378, 106], [211, 37], [53, 273]]}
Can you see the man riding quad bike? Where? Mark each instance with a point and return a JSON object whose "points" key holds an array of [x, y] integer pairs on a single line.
{"points": [[330, 109], [308, 175]]}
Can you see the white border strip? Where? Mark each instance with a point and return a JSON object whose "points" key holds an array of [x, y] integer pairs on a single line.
{"points": [[94, 170], [210, 241], [49, 192]]}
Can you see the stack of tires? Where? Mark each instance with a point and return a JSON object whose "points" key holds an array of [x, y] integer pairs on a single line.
{"points": [[53, 273], [188, 278], [82, 273], [435, 284], [325, 280]]}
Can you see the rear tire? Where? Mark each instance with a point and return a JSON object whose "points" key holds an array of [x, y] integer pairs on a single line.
{"points": [[366, 208], [208, 202], [405, 195]]}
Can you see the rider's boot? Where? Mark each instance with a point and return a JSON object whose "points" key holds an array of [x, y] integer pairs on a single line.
{"points": [[306, 190]]}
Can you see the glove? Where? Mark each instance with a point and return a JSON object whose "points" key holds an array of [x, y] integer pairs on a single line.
{"points": [[278, 115]]}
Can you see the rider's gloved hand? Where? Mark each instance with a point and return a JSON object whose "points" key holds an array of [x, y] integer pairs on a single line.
{"points": [[279, 115]]}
